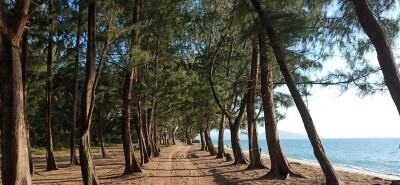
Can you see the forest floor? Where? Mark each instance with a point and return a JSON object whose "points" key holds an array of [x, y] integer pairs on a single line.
{"points": [[180, 164]]}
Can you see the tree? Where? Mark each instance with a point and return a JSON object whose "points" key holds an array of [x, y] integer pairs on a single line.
{"points": [[131, 163], [330, 174], [221, 149], [280, 167], [51, 163], [254, 147], [209, 143], [73, 159], [24, 64], [382, 46], [15, 156], [85, 154]]}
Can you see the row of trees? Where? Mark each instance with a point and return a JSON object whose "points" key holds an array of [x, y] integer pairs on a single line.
{"points": [[176, 69]]}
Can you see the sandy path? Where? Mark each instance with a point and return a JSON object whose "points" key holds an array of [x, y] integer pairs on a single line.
{"points": [[181, 164], [176, 166]]}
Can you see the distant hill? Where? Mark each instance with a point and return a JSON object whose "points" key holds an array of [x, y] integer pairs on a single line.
{"points": [[261, 135]]}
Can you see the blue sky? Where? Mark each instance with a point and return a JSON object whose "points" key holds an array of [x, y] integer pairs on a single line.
{"points": [[337, 115]]}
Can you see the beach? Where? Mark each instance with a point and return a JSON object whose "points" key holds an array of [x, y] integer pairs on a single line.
{"points": [[185, 164]]}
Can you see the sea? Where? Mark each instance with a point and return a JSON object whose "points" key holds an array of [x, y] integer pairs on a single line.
{"points": [[379, 156]]}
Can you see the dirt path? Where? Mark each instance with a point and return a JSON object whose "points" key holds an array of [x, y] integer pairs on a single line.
{"points": [[176, 165], [180, 164]]}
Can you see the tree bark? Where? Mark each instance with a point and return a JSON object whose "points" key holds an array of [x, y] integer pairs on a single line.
{"points": [[72, 147], [254, 148], [131, 163], [154, 139], [87, 163], [209, 142], [235, 126], [145, 136], [15, 155], [331, 177], [147, 132], [103, 151], [143, 148], [51, 163], [173, 135], [280, 167], [221, 149], [203, 142], [137, 124], [24, 64], [188, 137], [383, 49]]}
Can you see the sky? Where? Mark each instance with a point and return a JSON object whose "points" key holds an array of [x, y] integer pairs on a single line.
{"points": [[347, 116], [337, 115]]}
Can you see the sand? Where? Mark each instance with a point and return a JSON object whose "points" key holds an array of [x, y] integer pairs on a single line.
{"points": [[182, 164]]}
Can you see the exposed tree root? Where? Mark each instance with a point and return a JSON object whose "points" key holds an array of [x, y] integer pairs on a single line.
{"points": [[281, 176]]}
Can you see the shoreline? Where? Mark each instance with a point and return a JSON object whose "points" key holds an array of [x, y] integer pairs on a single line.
{"points": [[346, 169], [336, 167]]}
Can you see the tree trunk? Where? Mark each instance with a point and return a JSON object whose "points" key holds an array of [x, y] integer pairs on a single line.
{"points": [[188, 137], [15, 155], [72, 147], [156, 149], [203, 142], [51, 163], [330, 174], [131, 163], [382, 46], [209, 142], [24, 65], [236, 146], [147, 132], [103, 151], [280, 168], [87, 164], [143, 147], [145, 135], [221, 149], [254, 148], [173, 135], [137, 123]]}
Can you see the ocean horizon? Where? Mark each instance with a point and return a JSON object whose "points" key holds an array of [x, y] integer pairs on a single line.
{"points": [[379, 156]]}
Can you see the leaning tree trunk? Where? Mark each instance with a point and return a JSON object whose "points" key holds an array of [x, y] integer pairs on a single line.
{"points": [[221, 149], [382, 46], [235, 126], [131, 163], [280, 167], [203, 142], [87, 163], [72, 147], [254, 148], [24, 65], [319, 152], [15, 156], [51, 163], [209, 142]]}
